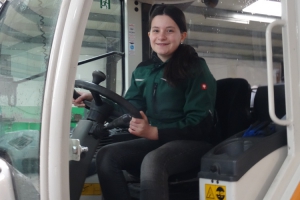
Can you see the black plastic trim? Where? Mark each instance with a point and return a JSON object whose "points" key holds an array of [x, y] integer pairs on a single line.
{"points": [[234, 162]]}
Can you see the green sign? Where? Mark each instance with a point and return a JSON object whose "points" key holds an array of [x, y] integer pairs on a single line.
{"points": [[105, 4]]}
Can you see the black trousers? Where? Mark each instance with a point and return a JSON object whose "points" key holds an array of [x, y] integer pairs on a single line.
{"points": [[155, 161]]}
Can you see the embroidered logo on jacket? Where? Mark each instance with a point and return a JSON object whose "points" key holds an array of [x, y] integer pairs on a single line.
{"points": [[203, 86]]}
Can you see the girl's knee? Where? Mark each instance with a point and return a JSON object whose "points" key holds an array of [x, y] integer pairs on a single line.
{"points": [[102, 153], [104, 157], [152, 163]]}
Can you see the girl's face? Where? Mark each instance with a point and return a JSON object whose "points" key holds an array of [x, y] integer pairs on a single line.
{"points": [[165, 36]]}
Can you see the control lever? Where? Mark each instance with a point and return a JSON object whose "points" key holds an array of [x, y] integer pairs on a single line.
{"points": [[98, 77], [120, 122]]}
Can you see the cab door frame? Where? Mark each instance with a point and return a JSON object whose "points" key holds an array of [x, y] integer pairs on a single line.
{"points": [[287, 180], [55, 130]]}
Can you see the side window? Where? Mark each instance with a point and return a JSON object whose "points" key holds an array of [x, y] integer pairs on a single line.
{"points": [[26, 32], [231, 37], [103, 36]]}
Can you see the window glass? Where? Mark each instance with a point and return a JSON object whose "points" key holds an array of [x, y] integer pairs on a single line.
{"points": [[26, 32], [103, 35], [230, 35]]}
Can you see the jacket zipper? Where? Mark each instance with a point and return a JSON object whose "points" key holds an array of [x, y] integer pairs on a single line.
{"points": [[154, 97]]}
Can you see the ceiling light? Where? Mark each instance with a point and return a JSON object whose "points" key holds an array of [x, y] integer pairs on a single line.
{"points": [[256, 18], [228, 19], [264, 7]]}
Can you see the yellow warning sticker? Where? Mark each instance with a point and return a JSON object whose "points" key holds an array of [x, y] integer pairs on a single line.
{"points": [[215, 192], [91, 189]]}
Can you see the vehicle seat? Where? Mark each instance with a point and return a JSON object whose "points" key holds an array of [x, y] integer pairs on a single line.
{"points": [[232, 111], [261, 104], [232, 107], [234, 161]]}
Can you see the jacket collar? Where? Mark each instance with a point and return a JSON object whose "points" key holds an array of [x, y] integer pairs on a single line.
{"points": [[157, 61]]}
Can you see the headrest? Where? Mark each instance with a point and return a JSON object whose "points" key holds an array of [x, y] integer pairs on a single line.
{"points": [[261, 104], [230, 89], [232, 106]]}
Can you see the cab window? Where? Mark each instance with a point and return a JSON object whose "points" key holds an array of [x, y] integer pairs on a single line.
{"points": [[26, 32]]}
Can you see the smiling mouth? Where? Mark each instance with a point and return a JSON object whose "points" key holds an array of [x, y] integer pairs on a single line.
{"points": [[160, 44]]}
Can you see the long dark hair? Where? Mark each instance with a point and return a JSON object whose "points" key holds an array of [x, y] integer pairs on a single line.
{"points": [[183, 59]]}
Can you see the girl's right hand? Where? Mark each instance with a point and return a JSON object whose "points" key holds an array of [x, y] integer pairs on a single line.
{"points": [[83, 96]]}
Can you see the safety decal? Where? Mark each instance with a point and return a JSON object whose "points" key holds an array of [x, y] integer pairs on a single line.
{"points": [[105, 4], [215, 192], [91, 189], [131, 39]]}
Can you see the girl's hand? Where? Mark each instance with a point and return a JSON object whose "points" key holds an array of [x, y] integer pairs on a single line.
{"points": [[142, 128], [83, 96]]}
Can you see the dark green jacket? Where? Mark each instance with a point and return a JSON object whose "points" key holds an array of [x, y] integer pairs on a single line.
{"points": [[177, 112]]}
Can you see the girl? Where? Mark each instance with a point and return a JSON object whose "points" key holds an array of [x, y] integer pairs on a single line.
{"points": [[175, 93]]}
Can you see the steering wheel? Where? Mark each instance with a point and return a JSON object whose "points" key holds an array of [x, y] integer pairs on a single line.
{"points": [[97, 90]]}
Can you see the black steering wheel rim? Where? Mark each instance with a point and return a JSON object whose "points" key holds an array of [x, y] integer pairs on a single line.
{"points": [[92, 87]]}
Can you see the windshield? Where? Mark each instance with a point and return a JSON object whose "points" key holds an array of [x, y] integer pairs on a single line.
{"points": [[26, 32]]}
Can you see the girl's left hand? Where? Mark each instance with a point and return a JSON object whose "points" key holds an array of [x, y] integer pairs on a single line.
{"points": [[142, 128]]}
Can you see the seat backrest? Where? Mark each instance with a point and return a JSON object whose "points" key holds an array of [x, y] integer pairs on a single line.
{"points": [[232, 107], [261, 104]]}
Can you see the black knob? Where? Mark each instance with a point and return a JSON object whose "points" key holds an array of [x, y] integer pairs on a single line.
{"points": [[215, 168], [98, 77]]}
